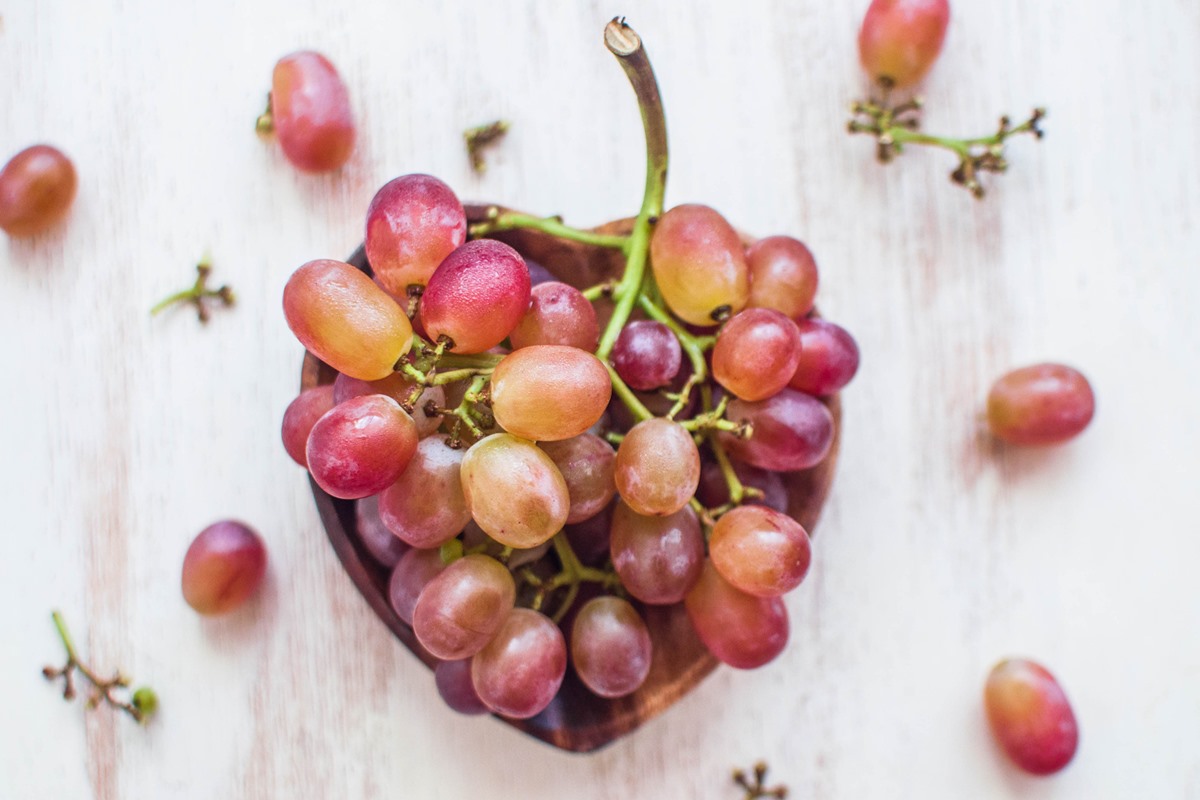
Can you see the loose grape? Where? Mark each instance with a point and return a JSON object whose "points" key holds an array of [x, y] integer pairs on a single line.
{"points": [[514, 491], [463, 606], [760, 551], [361, 446], [384, 546], [828, 358], [900, 39], [518, 673], [476, 296], [647, 355], [1041, 404], [756, 353], [699, 264], [398, 387], [299, 418], [453, 679], [558, 314], [610, 647], [657, 467], [310, 112], [413, 223], [1030, 716], [657, 558], [223, 568], [347, 321], [586, 463], [413, 571], [425, 506], [791, 431], [783, 275], [739, 629], [37, 186], [548, 392]]}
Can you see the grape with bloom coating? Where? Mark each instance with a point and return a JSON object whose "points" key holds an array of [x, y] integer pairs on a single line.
{"points": [[223, 568], [828, 358], [610, 647], [760, 551], [412, 572], [647, 355], [476, 296], [453, 679], [783, 275], [586, 463], [739, 629], [298, 420], [756, 353], [360, 447], [900, 39], [657, 558], [790, 431], [413, 223], [425, 507], [382, 545], [548, 392], [463, 606], [400, 388], [558, 314], [514, 491], [1030, 716], [518, 673], [344, 319], [310, 112], [1040, 404], [37, 186], [699, 264], [657, 467]]}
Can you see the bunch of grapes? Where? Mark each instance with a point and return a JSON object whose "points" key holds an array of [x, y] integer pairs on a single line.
{"points": [[541, 463]]}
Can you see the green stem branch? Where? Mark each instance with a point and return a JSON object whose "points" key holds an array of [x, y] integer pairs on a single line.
{"points": [[498, 220]]}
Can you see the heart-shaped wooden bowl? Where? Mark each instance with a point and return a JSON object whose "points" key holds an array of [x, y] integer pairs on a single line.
{"points": [[576, 720]]}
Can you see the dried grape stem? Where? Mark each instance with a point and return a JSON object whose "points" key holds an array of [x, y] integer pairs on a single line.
{"points": [[140, 706]]}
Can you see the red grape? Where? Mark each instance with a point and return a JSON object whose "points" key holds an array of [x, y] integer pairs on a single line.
{"points": [[425, 506], [586, 463], [518, 673], [558, 314], [361, 446], [476, 296], [739, 629], [760, 551], [413, 571], [514, 491], [384, 546], [828, 358], [783, 275], [453, 679], [657, 558], [900, 39], [224, 566], [1030, 716], [713, 490], [299, 418], [610, 647], [548, 392], [756, 353], [343, 318], [463, 606], [310, 111], [37, 186], [791, 431], [657, 467], [647, 355], [413, 223], [700, 264], [1041, 404]]}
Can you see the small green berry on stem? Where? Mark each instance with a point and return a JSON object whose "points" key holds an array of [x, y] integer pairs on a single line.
{"points": [[199, 294], [479, 137], [142, 703]]}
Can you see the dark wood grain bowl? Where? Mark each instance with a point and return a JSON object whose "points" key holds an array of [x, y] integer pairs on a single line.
{"points": [[576, 720]]}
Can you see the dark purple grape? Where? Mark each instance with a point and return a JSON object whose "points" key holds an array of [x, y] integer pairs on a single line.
{"points": [[647, 355], [791, 431], [453, 679]]}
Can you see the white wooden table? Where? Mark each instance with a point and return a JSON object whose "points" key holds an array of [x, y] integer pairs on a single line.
{"points": [[122, 435]]}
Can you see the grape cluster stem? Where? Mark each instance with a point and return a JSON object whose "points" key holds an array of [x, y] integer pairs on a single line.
{"points": [[198, 294], [755, 785], [142, 702]]}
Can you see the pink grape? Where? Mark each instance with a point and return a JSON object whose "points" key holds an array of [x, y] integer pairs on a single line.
{"points": [[1030, 716], [453, 679], [791, 431], [828, 358], [299, 418], [518, 673], [558, 314], [548, 392], [700, 264], [413, 223], [345, 320], [756, 353], [399, 388], [610, 647], [425, 506], [739, 629], [900, 39], [657, 467], [783, 275], [476, 296], [413, 571], [657, 558], [463, 606], [361, 446], [760, 551], [310, 111], [1041, 404], [37, 187], [223, 568], [647, 355], [713, 490], [586, 463], [515, 492], [381, 543]]}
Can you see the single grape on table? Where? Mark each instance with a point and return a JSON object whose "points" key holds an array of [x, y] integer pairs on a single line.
{"points": [[223, 567], [37, 186], [1030, 716], [309, 111]]}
